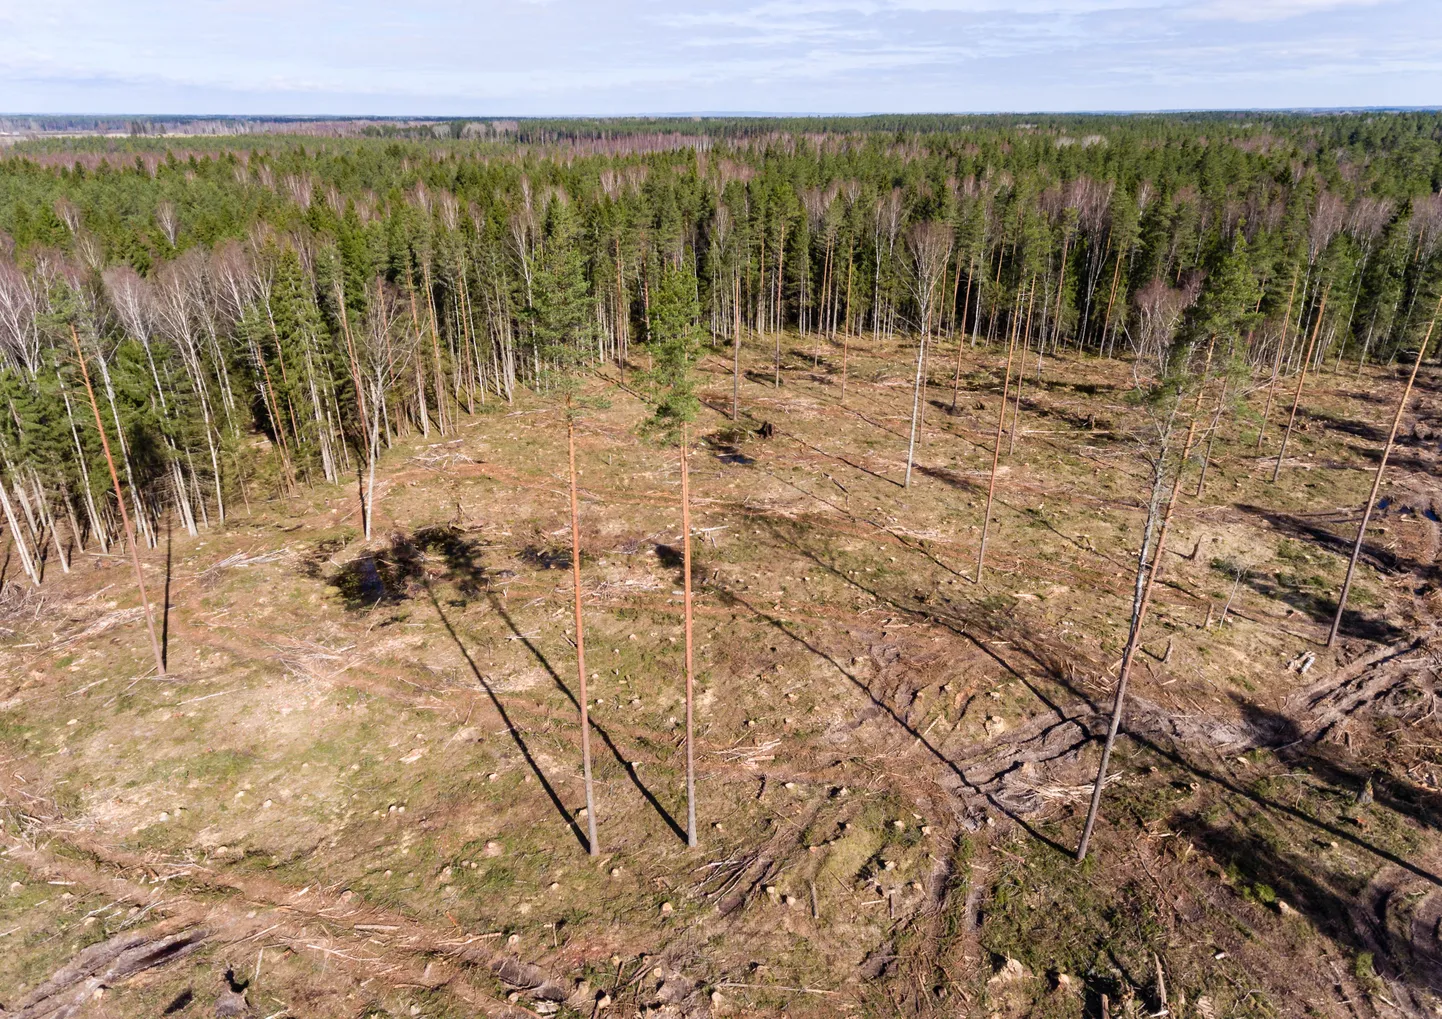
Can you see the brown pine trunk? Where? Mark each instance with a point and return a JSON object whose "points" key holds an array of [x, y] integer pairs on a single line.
{"points": [[1212, 438], [621, 316], [1060, 293], [690, 670], [438, 375], [1111, 299], [124, 513], [780, 296]]}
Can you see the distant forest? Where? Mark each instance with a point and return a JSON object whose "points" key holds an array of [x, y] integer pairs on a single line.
{"points": [[261, 311]]}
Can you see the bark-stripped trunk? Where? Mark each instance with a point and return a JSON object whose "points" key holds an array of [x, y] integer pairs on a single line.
{"points": [[595, 846], [1377, 480]]}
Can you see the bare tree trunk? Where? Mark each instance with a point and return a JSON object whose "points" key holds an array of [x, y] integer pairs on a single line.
{"points": [[1377, 480], [996, 446], [736, 353], [846, 322], [1129, 655], [1021, 375], [437, 373], [961, 343], [580, 636], [1212, 437], [1277, 362], [124, 513], [916, 404], [690, 670], [373, 448], [1111, 299], [1301, 379], [17, 537]]}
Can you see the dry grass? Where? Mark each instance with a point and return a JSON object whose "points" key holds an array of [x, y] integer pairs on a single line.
{"points": [[375, 747]]}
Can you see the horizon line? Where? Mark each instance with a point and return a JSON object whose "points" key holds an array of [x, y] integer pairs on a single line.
{"points": [[723, 114]]}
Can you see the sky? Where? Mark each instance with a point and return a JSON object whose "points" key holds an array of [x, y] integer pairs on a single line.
{"points": [[494, 58]]}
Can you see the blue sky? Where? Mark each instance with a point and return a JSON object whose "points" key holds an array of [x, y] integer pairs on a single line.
{"points": [[533, 57]]}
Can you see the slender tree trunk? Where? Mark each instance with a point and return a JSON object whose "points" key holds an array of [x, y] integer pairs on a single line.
{"points": [[1377, 480], [916, 399], [996, 446], [961, 343], [846, 322], [1111, 299], [1021, 375], [1277, 362], [124, 514], [690, 669], [1060, 293], [1301, 380], [373, 449], [43, 503], [595, 846], [1212, 438], [17, 537], [736, 352], [437, 373], [1128, 656]]}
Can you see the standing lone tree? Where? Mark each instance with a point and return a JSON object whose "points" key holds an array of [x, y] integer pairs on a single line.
{"points": [[676, 347], [1221, 312], [563, 327]]}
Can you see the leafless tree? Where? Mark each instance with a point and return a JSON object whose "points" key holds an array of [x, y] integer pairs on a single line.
{"points": [[69, 214], [134, 302], [930, 246], [19, 331], [168, 221]]}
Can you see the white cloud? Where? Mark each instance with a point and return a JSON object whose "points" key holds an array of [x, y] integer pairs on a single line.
{"points": [[1273, 10], [558, 56]]}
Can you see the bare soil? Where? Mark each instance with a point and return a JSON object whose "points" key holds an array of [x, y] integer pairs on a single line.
{"points": [[358, 791]]}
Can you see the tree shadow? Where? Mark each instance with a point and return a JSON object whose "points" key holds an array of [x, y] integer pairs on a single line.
{"points": [[672, 558], [841, 459], [1367, 396], [1349, 426], [1321, 608], [626, 765], [510, 725], [951, 479], [735, 600], [1335, 900], [393, 574], [1329, 764], [726, 444], [1081, 423], [1222, 781], [1312, 529], [1055, 670]]}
